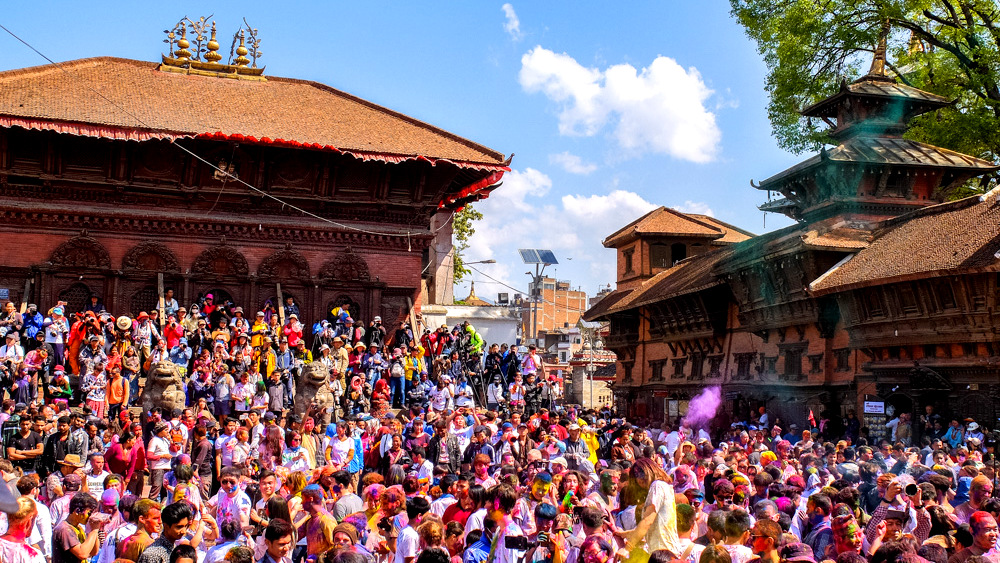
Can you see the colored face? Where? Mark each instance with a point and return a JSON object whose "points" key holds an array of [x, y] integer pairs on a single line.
{"points": [[594, 554], [342, 540], [151, 522], [540, 489], [571, 482], [979, 494], [986, 537]]}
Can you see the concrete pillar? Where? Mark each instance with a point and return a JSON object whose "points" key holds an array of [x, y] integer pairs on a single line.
{"points": [[441, 255]]}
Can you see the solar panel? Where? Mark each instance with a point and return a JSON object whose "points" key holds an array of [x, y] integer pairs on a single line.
{"points": [[536, 256]]}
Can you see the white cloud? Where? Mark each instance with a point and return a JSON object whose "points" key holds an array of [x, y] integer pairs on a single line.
{"points": [[699, 207], [516, 216], [660, 108], [572, 163], [512, 25]]}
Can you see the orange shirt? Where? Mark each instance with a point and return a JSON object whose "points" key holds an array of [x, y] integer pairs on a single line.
{"points": [[116, 390]]}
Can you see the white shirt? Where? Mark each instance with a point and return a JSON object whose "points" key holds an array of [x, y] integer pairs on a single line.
{"points": [[230, 508], [41, 532], [107, 552], [158, 446], [11, 552], [441, 398], [426, 470], [340, 449], [225, 444], [502, 554], [407, 544], [95, 483], [218, 552]]}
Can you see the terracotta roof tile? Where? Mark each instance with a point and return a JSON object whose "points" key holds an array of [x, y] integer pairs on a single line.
{"points": [[840, 238], [670, 222], [884, 150], [879, 88], [732, 233], [687, 276], [952, 237], [162, 104]]}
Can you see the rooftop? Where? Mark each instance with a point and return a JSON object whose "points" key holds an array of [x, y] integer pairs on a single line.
{"points": [[882, 150], [145, 103], [665, 221], [958, 236]]}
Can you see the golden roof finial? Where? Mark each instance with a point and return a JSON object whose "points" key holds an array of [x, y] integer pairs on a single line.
{"points": [[213, 55], [879, 58], [183, 53], [241, 52]]}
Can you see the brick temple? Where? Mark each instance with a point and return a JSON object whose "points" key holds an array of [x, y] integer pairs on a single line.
{"points": [[885, 289], [116, 171]]}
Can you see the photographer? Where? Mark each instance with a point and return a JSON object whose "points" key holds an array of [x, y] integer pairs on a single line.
{"points": [[375, 336], [550, 543]]}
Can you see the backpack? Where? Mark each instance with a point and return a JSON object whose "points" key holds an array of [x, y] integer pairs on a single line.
{"points": [[397, 369]]}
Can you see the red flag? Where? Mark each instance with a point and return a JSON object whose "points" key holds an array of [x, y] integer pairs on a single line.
{"points": [[812, 419]]}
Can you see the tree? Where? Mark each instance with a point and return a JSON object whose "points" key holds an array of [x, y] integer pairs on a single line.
{"points": [[462, 231], [947, 47]]}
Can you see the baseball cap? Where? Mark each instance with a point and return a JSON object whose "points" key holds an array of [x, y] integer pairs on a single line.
{"points": [[797, 552]]}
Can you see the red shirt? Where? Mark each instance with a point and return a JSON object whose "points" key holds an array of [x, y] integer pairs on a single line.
{"points": [[454, 513]]}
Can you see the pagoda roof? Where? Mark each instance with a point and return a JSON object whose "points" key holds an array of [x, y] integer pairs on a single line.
{"points": [[664, 221], [687, 276], [144, 103], [602, 306], [882, 151], [955, 237], [874, 87]]}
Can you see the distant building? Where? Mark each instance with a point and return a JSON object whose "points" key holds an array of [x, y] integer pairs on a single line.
{"points": [[556, 306], [604, 292]]}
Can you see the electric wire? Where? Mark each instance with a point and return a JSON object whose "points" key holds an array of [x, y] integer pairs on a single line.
{"points": [[203, 160]]}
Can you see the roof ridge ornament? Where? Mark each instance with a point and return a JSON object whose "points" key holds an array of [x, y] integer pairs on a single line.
{"points": [[877, 70], [204, 59]]}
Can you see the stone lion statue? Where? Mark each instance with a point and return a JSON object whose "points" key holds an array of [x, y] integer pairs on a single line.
{"points": [[164, 388], [313, 394]]}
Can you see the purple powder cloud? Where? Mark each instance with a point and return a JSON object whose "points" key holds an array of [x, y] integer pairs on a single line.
{"points": [[702, 409]]}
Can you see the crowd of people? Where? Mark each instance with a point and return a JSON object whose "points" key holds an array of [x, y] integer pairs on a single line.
{"points": [[462, 454]]}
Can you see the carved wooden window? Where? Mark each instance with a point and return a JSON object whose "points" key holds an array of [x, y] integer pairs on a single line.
{"points": [[76, 296], [659, 256], [656, 370], [715, 365], [678, 364], [872, 302], [743, 363], [930, 351], [146, 299], [815, 363], [627, 371], [793, 362], [843, 357], [908, 303], [627, 255], [945, 295], [697, 365], [977, 292]]}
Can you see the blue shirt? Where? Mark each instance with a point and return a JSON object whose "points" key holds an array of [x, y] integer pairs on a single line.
{"points": [[478, 552], [358, 461]]}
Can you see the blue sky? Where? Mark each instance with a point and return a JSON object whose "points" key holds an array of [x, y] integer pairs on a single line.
{"points": [[609, 111]]}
